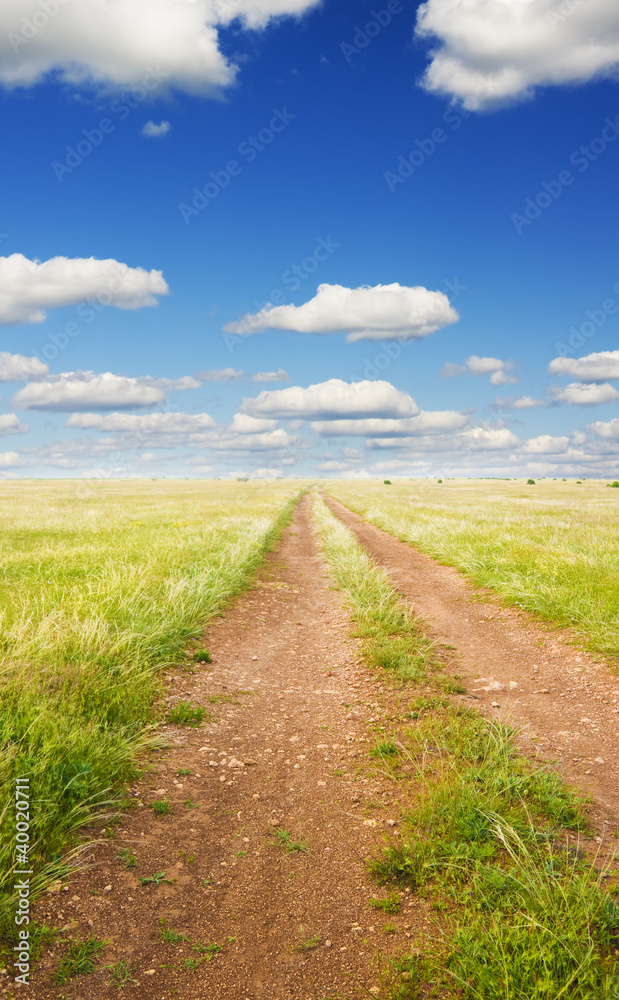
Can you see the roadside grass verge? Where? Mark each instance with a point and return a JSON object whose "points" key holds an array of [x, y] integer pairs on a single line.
{"points": [[105, 584], [489, 841], [552, 550]]}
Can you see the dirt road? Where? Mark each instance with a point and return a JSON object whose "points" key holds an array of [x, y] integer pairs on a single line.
{"points": [[565, 700], [290, 755]]}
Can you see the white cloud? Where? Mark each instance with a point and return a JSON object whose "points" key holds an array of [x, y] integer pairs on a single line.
{"points": [[269, 441], [592, 368], [521, 403], [332, 399], [87, 391], [606, 429], [545, 444], [279, 376], [129, 42], [497, 370], [383, 312], [585, 395], [12, 460], [170, 384], [147, 423], [496, 50], [473, 439], [242, 423], [221, 375], [28, 287], [153, 131], [437, 422], [17, 368], [11, 424]]}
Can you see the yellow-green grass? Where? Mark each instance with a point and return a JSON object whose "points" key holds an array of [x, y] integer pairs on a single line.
{"points": [[521, 913], [551, 548], [104, 584]]}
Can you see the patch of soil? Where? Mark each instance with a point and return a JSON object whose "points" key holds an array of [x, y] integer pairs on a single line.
{"points": [[536, 677], [288, 750]]}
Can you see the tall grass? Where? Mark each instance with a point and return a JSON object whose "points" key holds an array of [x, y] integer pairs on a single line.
{"points": [[552, 548], [103, 585]]}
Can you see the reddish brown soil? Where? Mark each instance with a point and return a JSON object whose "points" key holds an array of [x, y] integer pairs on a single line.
{"points": [[302, 740], [564, 700]]}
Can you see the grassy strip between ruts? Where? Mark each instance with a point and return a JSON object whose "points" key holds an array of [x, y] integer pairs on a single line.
{"points": [[81, 685], [490, 838]]}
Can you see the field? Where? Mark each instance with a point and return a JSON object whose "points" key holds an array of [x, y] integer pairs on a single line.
{"points": [[105, 584], [551, 548]]}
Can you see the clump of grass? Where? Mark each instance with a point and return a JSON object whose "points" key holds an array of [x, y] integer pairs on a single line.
{"points": [[80, 959], [388, 904], [156, 879], [162, 807], [170, 936], [127, 858], [306, 943], [185, 713], [289, 845], [202, 656], [120, 974]]}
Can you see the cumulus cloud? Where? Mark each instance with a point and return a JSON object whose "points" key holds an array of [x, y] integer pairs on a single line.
{"points": [[279, 376], [489, 51], [332, 399], [545, 444], [437, 422], [146, 423], [28, 287], [591, 368], [12, 460], [153, 131], [382, 312], [473, 439], [520, 403], [221, 375], [129, 42], [11, 424], [242, 423], [580, 394], [497, 370], [87, 391], [605, 429], [17, 368]]}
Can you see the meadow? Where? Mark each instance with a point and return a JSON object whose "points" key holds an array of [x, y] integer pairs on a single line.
{"points": [[104, 585], [551, 548]]}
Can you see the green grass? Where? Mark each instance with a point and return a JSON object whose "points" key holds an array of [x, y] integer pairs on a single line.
{"points": [[120, 974], [184, 713], [169, 936], [127, 858], [80, 959], [489, 839], [553, 551], [105, 584], [289, 845], [306, 943], [394, 641], [162, 807]]}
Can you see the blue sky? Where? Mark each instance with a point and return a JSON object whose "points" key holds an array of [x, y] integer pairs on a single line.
{"points": [[289, 237]]}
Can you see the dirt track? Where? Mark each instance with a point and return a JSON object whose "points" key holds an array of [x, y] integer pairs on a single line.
{"points": [[565, 700], [304, 727], [289, 749]]}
